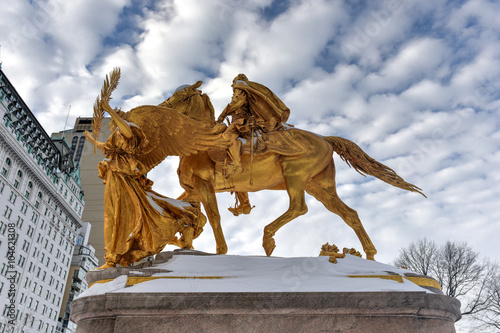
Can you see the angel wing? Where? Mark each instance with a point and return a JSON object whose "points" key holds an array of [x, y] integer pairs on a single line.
{"points": [[170, 133]]}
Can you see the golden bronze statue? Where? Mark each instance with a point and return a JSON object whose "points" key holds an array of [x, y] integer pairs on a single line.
{"points": [[139, 222], [289, 159]]}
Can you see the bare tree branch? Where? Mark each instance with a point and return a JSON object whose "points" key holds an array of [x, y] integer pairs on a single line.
{"points": [[461, 273]]}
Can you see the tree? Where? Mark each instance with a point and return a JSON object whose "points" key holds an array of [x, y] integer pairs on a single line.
{"points": [[419, 256], [490, 316], [461, 273]]}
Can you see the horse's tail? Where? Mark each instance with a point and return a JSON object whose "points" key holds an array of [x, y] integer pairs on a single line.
{"points": [[355, 157]]}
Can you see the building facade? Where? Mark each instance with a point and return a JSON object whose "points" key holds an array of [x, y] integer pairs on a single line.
{"points": [[41, 205], [83, 154], [83, 260]]}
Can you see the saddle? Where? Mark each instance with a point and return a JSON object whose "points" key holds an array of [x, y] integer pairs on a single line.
{"points": [[279, 142]]}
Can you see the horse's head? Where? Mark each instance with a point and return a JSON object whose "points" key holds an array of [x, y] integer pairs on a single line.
{"points": [[192, 102]]}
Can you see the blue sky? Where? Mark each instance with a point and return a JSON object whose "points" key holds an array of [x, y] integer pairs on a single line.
{"points": [[414, 83]]}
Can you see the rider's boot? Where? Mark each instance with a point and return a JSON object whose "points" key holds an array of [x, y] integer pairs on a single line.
{"points": [[242, 205]]}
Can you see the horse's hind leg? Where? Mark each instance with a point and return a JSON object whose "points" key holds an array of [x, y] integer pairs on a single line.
{"points": [[322, 187]]}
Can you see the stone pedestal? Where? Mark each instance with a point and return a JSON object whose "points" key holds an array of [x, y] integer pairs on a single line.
{"points": [[125, 309], [266, 312]]}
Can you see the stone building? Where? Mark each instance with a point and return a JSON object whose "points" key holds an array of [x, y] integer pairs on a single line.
{"points": [[83, 155], [41, 205], [83, 260]]}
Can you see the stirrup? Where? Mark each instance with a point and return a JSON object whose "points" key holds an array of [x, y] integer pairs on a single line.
{"points": [[242, 209]]}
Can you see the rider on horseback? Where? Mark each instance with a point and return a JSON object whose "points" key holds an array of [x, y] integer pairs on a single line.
{"points": [[254, 110]]}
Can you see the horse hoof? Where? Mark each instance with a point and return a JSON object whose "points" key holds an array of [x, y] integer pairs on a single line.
{"points": [[269, 245], [221, 249], [108, 264], [370, 256]]}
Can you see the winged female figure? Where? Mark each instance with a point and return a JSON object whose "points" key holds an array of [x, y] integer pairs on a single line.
{"points": [[139, 222]]}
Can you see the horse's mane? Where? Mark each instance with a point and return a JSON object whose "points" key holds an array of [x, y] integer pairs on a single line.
{"points": [[195, 105]]}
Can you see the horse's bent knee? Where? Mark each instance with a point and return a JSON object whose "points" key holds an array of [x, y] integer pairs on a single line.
{"points": [[299, 210]]}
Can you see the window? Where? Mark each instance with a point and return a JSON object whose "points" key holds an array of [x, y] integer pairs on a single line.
{"points": [[12, 197], [26, 246], [2, 185], [79, 150], [24, 208], [27, 283], [28, 190], [38, 200], [79, 240], [6, 167], [7, 212], [30, 231], [74, 141], [21, 261], [19, 222], [18, 179]]}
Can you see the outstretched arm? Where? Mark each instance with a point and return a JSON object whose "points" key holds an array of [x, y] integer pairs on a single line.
{"points": [[125, 129], [96, 143], [223, 115]]}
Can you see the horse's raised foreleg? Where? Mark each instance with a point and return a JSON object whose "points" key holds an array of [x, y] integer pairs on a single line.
{"points": [[322, 187], [295, 189], [206, 194]]}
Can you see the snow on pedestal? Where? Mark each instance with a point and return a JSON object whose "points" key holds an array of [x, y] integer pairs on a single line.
{"points": [[186, 291]]}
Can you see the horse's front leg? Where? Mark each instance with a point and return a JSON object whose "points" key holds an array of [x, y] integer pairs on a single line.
{"points": [[298, 207], [206, 194]]}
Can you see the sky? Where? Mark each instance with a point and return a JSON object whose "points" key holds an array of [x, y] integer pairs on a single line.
{"points": [[414, 83]]}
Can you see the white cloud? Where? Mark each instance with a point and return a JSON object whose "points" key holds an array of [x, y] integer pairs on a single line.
{"points": [[417, 90]]}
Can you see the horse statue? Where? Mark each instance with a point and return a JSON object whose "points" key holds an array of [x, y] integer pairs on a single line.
{"points": [[310, 169]]}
